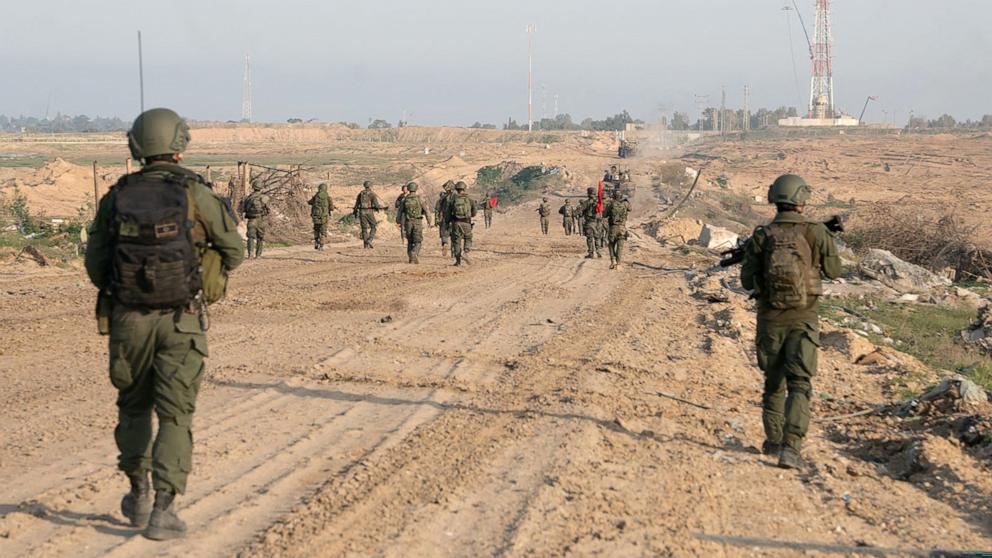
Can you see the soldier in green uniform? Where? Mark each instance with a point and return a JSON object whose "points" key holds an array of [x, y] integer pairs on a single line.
{"points": [[567, 213], [441, 215], [461, 210], [591, 218], [159, 250], [366, 204], [544, 210], [577, 222], [783, 264], [398, 205], [616, 217], [414, 213], [255, 208], [321, 206], [488, 205]]}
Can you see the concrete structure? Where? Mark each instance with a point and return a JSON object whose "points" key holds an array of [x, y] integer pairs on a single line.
{"points": [[795, 121]]}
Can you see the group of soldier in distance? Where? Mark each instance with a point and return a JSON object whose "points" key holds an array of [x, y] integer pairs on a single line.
{"points": [[163, 243]]}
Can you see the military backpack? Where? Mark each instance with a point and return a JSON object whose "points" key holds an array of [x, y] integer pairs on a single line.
{"points": [[155, 262], [412, 208], [462, 207], [789, 271], [618, 213], [255, 206]]}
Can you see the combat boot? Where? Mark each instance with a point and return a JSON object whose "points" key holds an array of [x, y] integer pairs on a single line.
{"points": [[164, 524], [589, 256], [458, 261], [137, 504], [465, 259], [771, 448], [790, 459]]}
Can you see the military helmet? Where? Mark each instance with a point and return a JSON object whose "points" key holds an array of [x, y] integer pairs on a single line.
{"points": [[158, 131], [590, 191], [544, 198], [449, 185], [256, 185], [617, 194], [460, 186], [367, 184], [411, 187], [323, 186], [789, 189]]}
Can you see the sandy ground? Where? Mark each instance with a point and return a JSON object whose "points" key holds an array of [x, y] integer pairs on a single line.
{"points": [[359, 406]]}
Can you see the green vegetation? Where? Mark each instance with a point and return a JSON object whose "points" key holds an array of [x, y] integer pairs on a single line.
{"points": [[58, 243], [927, 332], [517, 188]]}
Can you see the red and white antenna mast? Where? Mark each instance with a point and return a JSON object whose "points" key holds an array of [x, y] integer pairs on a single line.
{"points": [[821, 90]]}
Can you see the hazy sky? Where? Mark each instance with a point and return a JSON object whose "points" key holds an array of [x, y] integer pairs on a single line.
{"points": [[458, 61]]}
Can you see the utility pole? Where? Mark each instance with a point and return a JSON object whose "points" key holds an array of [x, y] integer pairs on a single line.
{"points": [[746, 125], [556, 105], [246, 92], [701, 102], [141, 73], [723, 111], [531, 28]]}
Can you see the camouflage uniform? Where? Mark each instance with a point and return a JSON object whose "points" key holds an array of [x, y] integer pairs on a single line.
{"points": [[487, 211], [616, 216], [591, 219], [321, 206], [567, 213], [544, 210], [461, 227], [157, 356], [414, 213], [398, 205], [787, 340], [441, 215], [255, 208], [366, 204]]}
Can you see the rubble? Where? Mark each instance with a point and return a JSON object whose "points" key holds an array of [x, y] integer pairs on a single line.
{"points": [[716, 238], [899, 275], [979, 333]]}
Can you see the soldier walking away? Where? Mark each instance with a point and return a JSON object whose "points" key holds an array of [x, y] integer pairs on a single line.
{"points": [[255, 208], [461, 210], [577, 222], [488, 205], [398, 205], [366, 204], [414, 213], [441, 215], [783, 265], [321, 206], [616, 217], [159, 251], [591, 218], [544, 210], [567, 213]]}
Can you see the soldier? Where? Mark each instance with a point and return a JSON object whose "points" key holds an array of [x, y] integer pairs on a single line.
{"points": [[321, 206], [461, 210], [567, 213], [488, 205], [413, 211], [159, 250], [255, 208], [441, 215], [398, 204], [591, 218], [366, 204], [783, 265], [544, 210], [616, 217], [577, 222]]}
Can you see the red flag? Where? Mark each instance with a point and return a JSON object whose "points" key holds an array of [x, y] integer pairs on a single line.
{"points": [[599, 198], [492, 201]]}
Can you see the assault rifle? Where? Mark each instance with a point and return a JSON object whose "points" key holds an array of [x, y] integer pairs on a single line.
{"points": [[735, 255]]}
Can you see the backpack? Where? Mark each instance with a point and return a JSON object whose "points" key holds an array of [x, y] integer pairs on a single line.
{"points": [[618, 213], [365, 200], [412, 208], [462, 207], [155, 262], [255, 206], [318, 206], [788, 266]]}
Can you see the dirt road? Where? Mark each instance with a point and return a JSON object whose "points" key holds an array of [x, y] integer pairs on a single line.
{"points": [[360, 406]]}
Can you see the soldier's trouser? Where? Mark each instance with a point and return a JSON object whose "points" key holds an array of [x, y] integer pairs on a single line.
{"points": [[591, 230], [488, 215], [602, 234], [413, 231], [461, 238], [319, 230], [618, 236], [156, 363], [367, 221], [544, 225], [256, 235], [787, 355], [567, 224], [444, 229]]}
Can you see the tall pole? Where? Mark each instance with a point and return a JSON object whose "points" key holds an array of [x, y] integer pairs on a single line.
{"points": [[746, 125], [141, 73], [530, 76]]}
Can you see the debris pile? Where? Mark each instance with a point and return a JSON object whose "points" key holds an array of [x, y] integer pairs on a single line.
{"points": [[903, 277]]}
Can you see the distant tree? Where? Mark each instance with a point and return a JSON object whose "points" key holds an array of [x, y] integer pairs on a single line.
{"points": [[680, 121], [986, 122], [511, 124], [350, 125], [379, 124], [945, 121], [294, 120]]}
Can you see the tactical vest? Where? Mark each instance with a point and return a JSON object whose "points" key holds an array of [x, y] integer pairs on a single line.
{"points": [[255, 206], [618, 213], [365, 199], [462, 207], [412, 207], [155, 260], [791, 274], [589, 210]]}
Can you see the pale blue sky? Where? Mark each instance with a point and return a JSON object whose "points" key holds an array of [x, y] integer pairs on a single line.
{"points": [[458, 61]]}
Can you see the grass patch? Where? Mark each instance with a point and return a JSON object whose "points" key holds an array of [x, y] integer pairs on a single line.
{"points": [[927, 332]]}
